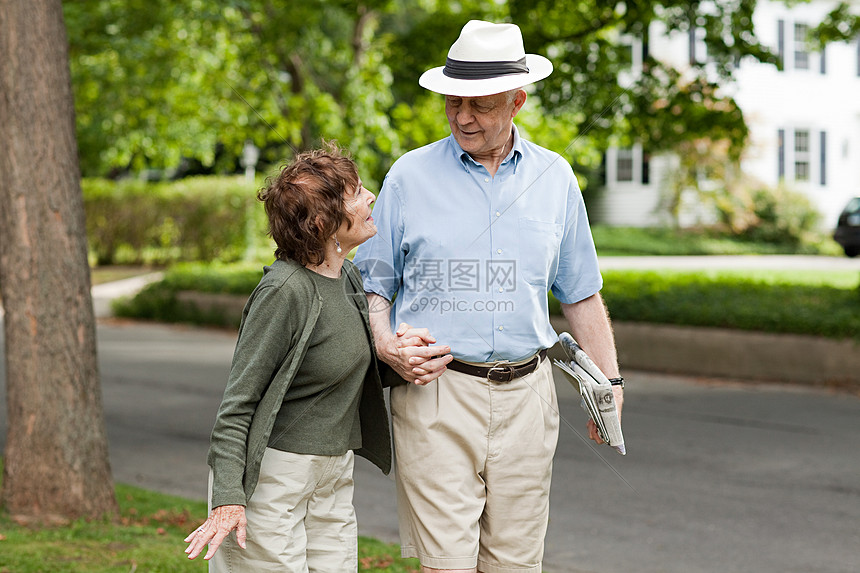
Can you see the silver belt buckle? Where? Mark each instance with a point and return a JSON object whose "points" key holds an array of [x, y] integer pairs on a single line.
{"points": [[501, 367]]}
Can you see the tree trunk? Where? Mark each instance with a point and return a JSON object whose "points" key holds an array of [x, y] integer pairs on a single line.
{"points": [[56, 465]]}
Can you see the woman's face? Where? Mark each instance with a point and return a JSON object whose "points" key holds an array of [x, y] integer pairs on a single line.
{"points": [[359, 204]]}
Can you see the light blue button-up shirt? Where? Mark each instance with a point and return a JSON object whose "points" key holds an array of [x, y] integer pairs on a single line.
{"points": [[471, 256]]}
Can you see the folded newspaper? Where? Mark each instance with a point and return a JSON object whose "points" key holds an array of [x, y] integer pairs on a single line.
{"points": [[595, 389]]}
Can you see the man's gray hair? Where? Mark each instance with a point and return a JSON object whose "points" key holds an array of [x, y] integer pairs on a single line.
{"points": [[511, 95]]}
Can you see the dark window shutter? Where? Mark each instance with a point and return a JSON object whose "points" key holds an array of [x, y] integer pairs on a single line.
{"points": [[646, 169], [823, 153], [692, 45], [780, 44], [781, 168]]}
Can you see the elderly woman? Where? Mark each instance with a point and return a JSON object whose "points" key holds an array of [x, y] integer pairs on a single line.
{"points": [[304, 391]]}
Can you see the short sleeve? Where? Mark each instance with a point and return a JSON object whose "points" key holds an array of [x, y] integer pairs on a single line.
{"points": [[380, 259], [578, 275]]}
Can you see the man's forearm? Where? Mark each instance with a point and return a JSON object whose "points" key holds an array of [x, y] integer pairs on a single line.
{"points": [[590, 326], [380, 325]]}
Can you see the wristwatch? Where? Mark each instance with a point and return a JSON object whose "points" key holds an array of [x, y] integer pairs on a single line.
{"points": [[617, 381]]}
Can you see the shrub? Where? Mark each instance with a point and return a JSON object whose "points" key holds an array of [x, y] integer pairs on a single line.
{"points": [[777, 216], [202, 218]]}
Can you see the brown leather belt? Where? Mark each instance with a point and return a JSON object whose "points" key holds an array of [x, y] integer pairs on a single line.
{"points": [[500, 372]]}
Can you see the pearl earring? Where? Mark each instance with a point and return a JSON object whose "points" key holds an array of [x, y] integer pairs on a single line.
{"points": [[337, 243]]}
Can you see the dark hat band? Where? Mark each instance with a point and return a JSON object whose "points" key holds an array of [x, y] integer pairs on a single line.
{"points": [[463, 70]]}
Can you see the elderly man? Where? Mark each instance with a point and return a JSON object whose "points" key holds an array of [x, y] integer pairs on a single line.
{"points": [[473, 231]]}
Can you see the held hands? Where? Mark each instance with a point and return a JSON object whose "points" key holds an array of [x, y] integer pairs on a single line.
{"points": [[221, 522], [409, 353]]}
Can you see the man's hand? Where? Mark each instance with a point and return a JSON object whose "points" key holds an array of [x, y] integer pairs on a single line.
{"points": [[221, 522], [409, 352], [590, 326], [618, 393]]}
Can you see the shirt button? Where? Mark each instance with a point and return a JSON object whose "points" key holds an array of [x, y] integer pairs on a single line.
{"points": [[486, 179], [498, 214], [501, 328], [501, 289], [499, 251]]}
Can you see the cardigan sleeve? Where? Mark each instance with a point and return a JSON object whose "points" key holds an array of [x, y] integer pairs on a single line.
{"points": [[267, 333]]}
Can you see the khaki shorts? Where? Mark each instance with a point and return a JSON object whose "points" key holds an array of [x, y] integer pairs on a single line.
{"points": [[300, 518], [474, 462]]}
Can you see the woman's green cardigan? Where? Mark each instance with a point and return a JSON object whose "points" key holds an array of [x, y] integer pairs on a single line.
{"points": [[277, 323]]}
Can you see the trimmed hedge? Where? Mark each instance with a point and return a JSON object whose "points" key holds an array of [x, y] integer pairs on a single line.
{"points": [[219, 219], [194, 219], [728, 301], [683, 298]]}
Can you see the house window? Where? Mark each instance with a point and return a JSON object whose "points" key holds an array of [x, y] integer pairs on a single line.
{"points": [[624, 164], [625, 53], [801, 55], [801, 155]]}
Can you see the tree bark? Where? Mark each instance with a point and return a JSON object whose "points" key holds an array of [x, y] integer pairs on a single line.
{"points": [[56, 458]]}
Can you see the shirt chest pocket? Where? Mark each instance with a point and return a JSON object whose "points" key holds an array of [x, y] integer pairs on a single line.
{"points": [[539, 243]]}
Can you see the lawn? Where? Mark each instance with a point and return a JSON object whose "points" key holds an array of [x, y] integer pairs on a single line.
{"points": [[635, 241], [147, 536]]}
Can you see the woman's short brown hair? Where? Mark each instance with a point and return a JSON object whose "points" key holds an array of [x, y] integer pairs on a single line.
{"points": [[305, 202]]}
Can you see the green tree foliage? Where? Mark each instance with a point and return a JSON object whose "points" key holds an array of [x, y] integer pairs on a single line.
{"points": [[842, 24], [159, 83], [194, 79]]}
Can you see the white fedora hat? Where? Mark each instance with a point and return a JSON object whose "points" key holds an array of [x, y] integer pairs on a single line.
{"points": [[486, 59]]}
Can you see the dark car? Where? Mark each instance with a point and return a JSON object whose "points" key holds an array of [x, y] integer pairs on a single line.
{"points": [[848, 228]]}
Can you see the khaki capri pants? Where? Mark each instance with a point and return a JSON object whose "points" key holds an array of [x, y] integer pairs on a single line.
{"points": [[300, 518]]}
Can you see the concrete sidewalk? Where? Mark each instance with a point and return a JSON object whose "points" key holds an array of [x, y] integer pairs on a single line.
{"points": [[104, 294], [733, 262]]}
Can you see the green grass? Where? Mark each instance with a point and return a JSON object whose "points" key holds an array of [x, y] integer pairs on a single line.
{"points": [[842, 279], [146, 537], [634, 241], [101, 275]]}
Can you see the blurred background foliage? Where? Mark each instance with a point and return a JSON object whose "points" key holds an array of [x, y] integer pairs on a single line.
{"points": [[169, 89]]}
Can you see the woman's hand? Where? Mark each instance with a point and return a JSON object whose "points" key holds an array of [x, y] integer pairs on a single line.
{"points": [[408, 352], [221, 522]]}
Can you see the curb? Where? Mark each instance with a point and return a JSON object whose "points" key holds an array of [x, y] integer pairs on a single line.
{"points": [[687, 350], [736, 354]]}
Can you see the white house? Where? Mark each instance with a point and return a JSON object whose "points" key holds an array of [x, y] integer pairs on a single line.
{"points": [[804, 120]]}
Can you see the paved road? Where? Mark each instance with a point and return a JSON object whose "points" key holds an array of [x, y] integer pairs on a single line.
{"points": [[720, 476]]}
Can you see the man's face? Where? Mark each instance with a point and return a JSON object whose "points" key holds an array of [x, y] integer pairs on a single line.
{"points": [[482, 125]]}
